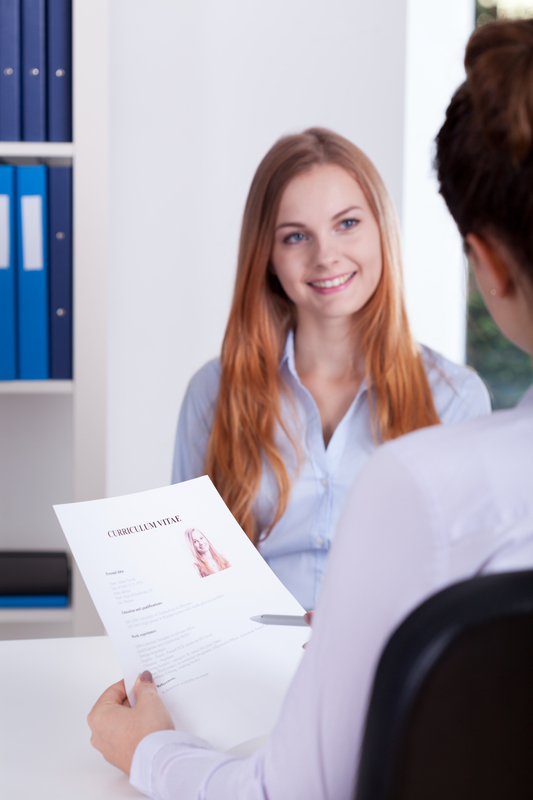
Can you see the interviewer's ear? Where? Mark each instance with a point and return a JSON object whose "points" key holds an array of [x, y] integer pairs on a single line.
{"points": [[507, 294], [491, 268]]}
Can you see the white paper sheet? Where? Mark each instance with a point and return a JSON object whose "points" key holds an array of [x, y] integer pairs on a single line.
{"points": [[222, 676]]}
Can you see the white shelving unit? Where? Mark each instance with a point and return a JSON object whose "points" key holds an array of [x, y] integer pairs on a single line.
{"points": [[36, 387], [36, 149], [37, 615], [53, 433]]}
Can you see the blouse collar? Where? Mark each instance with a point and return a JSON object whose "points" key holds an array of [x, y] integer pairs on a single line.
{"points": [[288, 354]]}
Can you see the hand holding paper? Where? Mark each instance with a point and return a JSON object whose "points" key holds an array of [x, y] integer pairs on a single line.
{"points": [[117, 728], [175, 581]]}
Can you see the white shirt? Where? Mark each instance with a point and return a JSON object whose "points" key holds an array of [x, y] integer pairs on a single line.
{"points": [[298, 545], [434, 507]]}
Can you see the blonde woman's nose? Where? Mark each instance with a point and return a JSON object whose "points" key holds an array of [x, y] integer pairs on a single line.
{"points": [[327, 251]]}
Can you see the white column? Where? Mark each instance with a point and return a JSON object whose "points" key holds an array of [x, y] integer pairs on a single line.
{"points": [[91, 226], [434, 264]]}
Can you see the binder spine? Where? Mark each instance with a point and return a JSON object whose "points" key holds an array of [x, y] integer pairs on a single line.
{"points": [[10, 70], [34, 601], [60, 239], [59, 74], [33, 71], [32, 214], [7, 274]]}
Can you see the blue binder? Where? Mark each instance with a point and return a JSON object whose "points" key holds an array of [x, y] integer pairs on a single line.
{"points": [[7, 274], [60, 249], [59, 57], [34, 601], [10, 70], [33, 71], [32, 216]]}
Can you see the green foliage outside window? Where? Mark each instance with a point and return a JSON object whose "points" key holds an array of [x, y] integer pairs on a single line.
{"points": [[485, 12], [506, 370]]}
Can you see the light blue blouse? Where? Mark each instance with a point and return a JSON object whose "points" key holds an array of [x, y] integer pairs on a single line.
{"points": [[297, 547]]}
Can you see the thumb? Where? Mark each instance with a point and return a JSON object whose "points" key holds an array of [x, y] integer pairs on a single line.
{"points": [[149, 707], [144, 685]]}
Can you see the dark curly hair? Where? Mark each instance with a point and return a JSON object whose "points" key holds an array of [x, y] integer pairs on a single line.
{"points": [[484, 156]]}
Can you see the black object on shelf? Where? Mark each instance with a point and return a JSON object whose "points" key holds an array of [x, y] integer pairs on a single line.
{"points": [[31, 573]]}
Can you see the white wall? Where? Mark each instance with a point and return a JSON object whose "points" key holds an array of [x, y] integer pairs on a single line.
{"points": [[434, 264], [199, 92]]}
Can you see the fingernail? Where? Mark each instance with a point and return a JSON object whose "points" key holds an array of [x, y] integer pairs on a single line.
{"points": [[146, 676]]}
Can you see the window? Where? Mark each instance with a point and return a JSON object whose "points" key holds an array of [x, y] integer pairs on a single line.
{"points": [[506, 370]]}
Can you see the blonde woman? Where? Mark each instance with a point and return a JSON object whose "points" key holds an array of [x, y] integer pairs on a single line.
{"points": [[318, 364], [207, 560]]}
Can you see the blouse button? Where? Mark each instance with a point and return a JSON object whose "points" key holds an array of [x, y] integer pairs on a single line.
{"points": [[325, 482], [319, 540]]}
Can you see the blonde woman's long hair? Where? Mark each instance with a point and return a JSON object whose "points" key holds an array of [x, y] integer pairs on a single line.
{"points": [[248, 409], [202, 566]]}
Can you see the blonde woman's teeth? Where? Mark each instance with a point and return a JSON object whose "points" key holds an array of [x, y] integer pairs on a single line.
{"points": [[331, 284]]}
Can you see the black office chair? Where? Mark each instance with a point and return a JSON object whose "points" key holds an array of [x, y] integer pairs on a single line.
{"points": [[451, 710]]}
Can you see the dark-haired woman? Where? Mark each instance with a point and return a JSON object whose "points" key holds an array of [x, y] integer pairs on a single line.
{"points": [[435, 506]]}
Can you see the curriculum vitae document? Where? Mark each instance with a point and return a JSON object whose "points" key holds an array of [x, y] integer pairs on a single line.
{"points": [[175, 581]]}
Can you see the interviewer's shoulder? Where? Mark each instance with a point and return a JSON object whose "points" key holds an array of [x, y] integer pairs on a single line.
{"points": [[471, 480], [461, 449], [458, 392]]}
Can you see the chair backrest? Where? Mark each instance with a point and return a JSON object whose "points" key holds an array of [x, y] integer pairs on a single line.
{"points": [[451, 710]]}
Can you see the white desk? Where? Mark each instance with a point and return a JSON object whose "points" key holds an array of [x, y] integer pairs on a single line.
{"points": [[47, 688]]}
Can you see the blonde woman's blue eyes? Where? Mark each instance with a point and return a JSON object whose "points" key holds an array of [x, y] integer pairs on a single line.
{"points": [[346, 224], [294, 238]]}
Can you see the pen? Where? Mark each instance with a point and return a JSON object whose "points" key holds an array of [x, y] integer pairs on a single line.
{"points": [[280, 619]]}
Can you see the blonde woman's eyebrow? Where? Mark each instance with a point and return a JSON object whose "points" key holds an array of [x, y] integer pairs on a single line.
{"points": [[291, 225], [346, 210]]}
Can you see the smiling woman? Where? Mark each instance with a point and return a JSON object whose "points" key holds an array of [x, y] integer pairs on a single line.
{"points": [[318, 365], [307, 255], [329, 266]]}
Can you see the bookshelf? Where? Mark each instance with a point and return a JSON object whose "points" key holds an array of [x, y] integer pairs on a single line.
{"points": [[53, 433]]}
